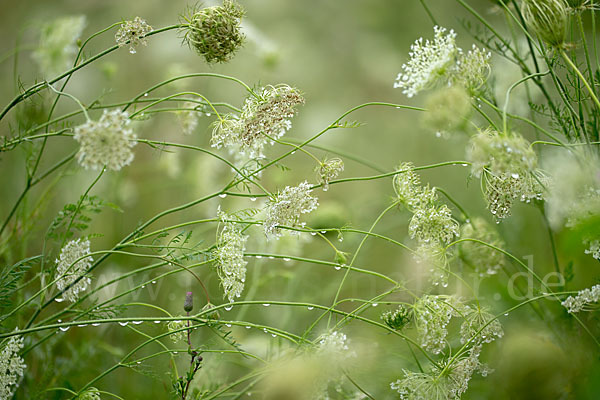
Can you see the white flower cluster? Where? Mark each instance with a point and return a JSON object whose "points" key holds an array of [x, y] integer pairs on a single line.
{"points": [[106, 142], [133, 32], [421, 386], [329, 170], [12, 367], [57, 49], [431, 225], [583, 298], [593, 249], [483, 259], [479, 327], [335, 343], [432, 315], [441, 60], [462, 370], [508, 166], [74, 262], [286, 208], [229, 258], [265, 116]]}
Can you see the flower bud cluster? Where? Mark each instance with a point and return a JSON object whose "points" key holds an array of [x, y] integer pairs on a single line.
{"points": [[583, 298], [73, 263], [483, 259]]}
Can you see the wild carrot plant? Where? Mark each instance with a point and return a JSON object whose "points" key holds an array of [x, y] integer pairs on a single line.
{"points": [[198, 237]]}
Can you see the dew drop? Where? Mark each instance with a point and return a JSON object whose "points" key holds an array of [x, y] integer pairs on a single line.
{"points": [[266, 304], [157, 322], [59, 300], [228, 308], [153, 282], [337, 267], [313, 233], [81, 325], [96, 324], [228, 325], [223, 195], [294, 152], [274, 335], [258, 256], [323, 232], [124, 323], [137, 322], [143, 286], [248, 327], [64, 328], [59, 321], [310, 308], [145, 94], [138, 362], [506, 314], [271, 257], [287, 259], [252, 198], [375, 304]]}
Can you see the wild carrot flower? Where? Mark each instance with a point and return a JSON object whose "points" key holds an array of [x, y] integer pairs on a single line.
{"points": [[461, 371], [433, 224], [397, 318], [215, 32], [593, 249], [74, 262], [229, 257], [286, 208], [409, 191], [421, 386], [106, 142], [57, 48], [265, 116], [428, 62], [479, 327], [329, 170], [432, 315], [507, 165], [472, 69], [483, 259], [548, 19], [583, 298], [12, 367], [133, 32]]}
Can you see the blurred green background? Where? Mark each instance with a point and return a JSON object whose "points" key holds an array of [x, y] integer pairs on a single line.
{"points": [[340, 54]]}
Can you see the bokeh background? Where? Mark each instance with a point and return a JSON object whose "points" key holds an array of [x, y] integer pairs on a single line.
{"points": [[340, 54]]}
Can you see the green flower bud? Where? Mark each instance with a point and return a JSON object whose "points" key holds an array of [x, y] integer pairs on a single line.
{"points": [[215, 32], [548, 19]]}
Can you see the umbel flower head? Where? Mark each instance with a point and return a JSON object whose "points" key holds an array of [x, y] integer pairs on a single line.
{"points": [[441, 60], [507, 164], [448, 109], [215, 32], [585, 297], [90, 394], [73, 263], [548, 19], [428, 62], [57, 49], [407, 185], [12, 367], [286, 208], [266, 115], [229, 257], [329, 170], [106, 142], [133, 33], [479, 327], [483, 259], [431, 315]]}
